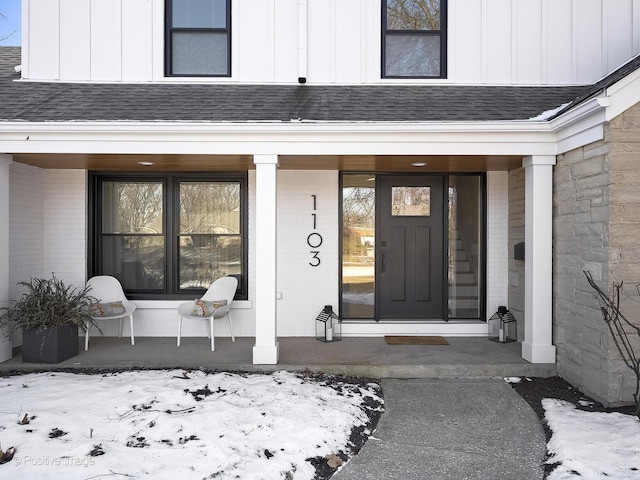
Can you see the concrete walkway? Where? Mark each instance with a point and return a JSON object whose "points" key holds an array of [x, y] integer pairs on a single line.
{"points": [[451, 429]]}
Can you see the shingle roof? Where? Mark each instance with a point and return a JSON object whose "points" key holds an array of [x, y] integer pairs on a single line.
{"points": [[615, 76], [241, 103]]}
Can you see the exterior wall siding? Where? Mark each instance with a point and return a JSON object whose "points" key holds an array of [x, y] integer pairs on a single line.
{"points": [[489, 41]]}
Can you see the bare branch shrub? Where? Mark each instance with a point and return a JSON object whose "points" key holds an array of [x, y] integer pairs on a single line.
{"points": [[619, 326]]}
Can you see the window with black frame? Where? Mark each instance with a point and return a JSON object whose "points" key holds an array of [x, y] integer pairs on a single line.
{"points": [[169, 235], [198, 38], [414, 38]]}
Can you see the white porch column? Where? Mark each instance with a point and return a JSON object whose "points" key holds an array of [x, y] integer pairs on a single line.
{"points": [[5, 161], [265, 351], [537, 345]]}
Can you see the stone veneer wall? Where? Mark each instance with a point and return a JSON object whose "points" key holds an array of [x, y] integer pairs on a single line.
{"points": [[581, 242], [596, 220], [623, 138]]}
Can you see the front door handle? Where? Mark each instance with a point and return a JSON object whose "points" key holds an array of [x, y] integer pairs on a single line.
{"points": [[382, 261]]}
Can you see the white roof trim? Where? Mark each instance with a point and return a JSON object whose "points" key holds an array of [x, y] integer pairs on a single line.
{"points": [[577, 127], [624, 94], [502, 138], [581, 125]]}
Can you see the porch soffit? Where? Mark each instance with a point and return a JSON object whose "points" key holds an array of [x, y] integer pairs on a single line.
{"points": [[354, 163]]}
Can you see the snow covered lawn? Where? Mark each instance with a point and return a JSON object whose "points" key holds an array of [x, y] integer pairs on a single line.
{"points": [[584, 440], [592, 445], [178, 424]]}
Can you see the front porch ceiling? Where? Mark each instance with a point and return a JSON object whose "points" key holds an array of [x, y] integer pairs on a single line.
{"points": [[351, 163]]}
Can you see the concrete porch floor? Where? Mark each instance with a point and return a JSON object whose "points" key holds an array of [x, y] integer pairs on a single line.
{"points": [[360, 356]]}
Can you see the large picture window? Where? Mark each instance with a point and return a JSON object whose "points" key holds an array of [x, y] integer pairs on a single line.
{"points": [[168, 236], [198, 38], [414, 38]]}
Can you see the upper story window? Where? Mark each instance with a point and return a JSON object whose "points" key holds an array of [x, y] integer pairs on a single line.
{"points": [[198, 38], [414, 38]]}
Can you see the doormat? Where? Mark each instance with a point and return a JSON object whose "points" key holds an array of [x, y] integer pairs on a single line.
{"points": [[414, 340]]}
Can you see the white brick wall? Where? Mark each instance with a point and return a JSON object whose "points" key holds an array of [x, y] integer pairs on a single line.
{"points": [[306, 289], [497, 241], [47, 224], [65, 225], [26, 216]]}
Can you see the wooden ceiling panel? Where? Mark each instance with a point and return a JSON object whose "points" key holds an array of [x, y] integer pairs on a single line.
{"points": [[350, 163], [132, 162]]}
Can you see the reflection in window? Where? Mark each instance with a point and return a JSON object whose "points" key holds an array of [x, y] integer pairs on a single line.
{"points": [[413, 38], [465, 244], [210, 241], [358, 246], [166, 235], [133, 244], [198, 37], [411, 201]]}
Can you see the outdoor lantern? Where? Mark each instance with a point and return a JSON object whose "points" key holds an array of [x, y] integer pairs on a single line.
{"points": [[328, 325], [502, 326]]}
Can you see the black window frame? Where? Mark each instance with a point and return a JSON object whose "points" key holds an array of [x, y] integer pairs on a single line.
{"points": [[442, 33], [171, 182], [168, 40]]}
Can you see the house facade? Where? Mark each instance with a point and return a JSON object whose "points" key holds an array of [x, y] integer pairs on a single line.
{"points": [[414, 164]]}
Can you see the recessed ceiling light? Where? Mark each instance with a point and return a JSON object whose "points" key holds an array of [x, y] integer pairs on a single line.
{"points": [[418, 164], [146, 164]]}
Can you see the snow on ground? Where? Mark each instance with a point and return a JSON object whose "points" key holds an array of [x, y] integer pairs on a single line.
{"points": [[592, 445], [175, 424], [166, 424]]}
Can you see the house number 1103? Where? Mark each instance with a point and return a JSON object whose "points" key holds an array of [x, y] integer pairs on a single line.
{"points": [[314, 239]]}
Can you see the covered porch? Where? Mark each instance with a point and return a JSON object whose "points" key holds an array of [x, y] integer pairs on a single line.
{"points": [[267, 346], [355, 356]]}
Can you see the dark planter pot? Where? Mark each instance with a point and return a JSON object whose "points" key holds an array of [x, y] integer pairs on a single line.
{"points": [[52, 345]]}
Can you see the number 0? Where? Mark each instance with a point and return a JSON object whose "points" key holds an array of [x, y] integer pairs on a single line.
{"points": [[317, 240]]}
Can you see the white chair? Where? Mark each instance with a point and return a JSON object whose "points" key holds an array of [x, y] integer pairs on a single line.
{"points": [[222, 289], [107, 290]]}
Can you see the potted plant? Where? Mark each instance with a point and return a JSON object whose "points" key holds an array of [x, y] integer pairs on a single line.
{"points": [[49, 313]]}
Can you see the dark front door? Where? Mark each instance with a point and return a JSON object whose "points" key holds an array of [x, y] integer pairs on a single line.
{"points": [[410, 248]]}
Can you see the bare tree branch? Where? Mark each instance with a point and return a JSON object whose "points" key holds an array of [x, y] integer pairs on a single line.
{"points": [[3, 16], [618, 324]]}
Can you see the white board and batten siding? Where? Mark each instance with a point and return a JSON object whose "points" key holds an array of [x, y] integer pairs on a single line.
{"points": [[532, 42]]}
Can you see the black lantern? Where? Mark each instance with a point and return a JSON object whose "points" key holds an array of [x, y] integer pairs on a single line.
{"points": [[328, 325], [502, 326]]}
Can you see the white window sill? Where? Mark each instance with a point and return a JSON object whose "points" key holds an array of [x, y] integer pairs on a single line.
{"points": [[173, 304]]}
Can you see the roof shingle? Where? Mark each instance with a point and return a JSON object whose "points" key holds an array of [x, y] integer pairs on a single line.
{"points": [[242, 103]]}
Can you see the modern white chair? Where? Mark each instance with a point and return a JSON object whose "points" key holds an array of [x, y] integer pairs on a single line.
{"points": [[108, 290], [223, 290]]}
